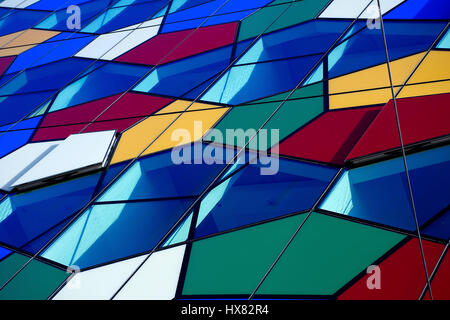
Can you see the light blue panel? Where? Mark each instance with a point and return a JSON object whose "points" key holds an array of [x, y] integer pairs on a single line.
{"points": [[157, 176], [181, 234], [445, 41], [379, 192], [112, 78], [108, 232], [250, 82]]}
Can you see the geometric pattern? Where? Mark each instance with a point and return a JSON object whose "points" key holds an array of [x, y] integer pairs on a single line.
{"points": [[353, 107]]}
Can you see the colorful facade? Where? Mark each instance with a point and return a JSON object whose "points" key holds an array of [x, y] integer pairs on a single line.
{"points": [[224, 149]]}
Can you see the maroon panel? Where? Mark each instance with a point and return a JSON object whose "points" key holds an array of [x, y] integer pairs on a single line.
{"points": [[60, 124], [402, 275], [57, 133], [330, 137], [119, 125], [440, 286], [421, 118], [154, 51], [5, 62]]}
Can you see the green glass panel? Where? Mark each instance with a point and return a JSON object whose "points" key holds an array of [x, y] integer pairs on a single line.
{"points": [[298, 12], [235, 262], [325, 255], [37, 281], [292, 115], [310, 91]]}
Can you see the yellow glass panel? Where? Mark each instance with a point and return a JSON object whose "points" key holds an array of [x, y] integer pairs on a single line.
{"points": [[181, 105], [194, 124], [18, 42], [424, 89], [342, 88], [354, 99], [435, 67]]}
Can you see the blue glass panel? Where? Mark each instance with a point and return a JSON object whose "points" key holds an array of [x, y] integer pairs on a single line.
{"points": [[249, 197], [112, 78], [108, 232], [124, 13], [242, 46], [111, 173], [253, 81], [178, 5], [25, 216], [18, 20], [4, 12], [421, 9], [379, 192], [439, 228], [178, 77], [310, 38], [16, 107], [366, 48], [12, 140], [62, 46], [89, 10], [24, 124], [181, 234], [445, 41], [200, 89], [204, 22], [39, 242], [224, 12], [4, 252], [158, 177], [47, 77], [52, 5]]}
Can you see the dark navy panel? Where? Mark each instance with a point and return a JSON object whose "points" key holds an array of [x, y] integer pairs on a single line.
{"points": [[249, 196], [28, 215], [439, 228]]}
